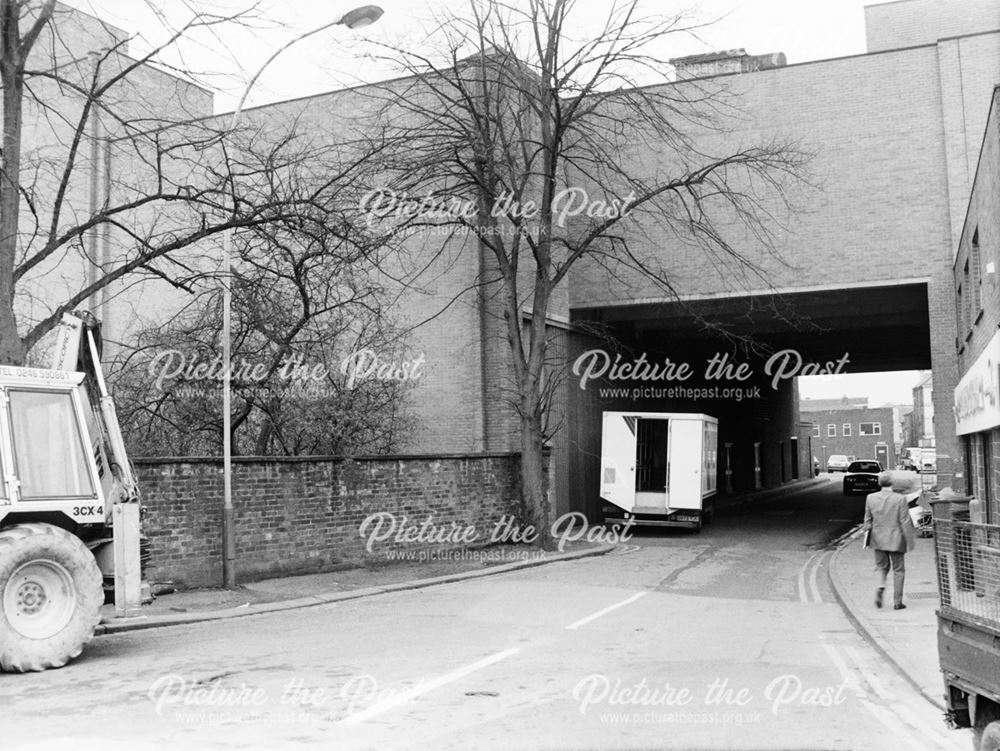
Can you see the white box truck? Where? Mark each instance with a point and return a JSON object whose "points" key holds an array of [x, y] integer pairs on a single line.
{"points": [[659, 467]]}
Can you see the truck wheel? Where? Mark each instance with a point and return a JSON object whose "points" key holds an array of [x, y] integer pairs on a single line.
{"points": [[991, 737], [50, 597]]}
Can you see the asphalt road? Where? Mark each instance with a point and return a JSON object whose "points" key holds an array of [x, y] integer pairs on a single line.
{"points": [[728, 639]]}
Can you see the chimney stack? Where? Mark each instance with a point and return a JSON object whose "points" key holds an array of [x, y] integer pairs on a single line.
{"points": [[725, 62]]}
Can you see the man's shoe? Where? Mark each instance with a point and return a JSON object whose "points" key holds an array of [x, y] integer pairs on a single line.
{"points": [[878, 596], [900, 606]]}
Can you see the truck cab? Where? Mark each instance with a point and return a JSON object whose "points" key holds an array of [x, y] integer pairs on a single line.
{"points": [[69, 507], [49, 461]]}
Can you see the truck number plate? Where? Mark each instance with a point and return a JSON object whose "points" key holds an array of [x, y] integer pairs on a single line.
{"points": [[92, 511]]}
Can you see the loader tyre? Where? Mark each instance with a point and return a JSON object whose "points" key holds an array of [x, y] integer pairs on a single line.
{"points": [[50, 597], [990, 740]]}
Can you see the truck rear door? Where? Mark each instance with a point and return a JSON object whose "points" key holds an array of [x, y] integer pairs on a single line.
{"points": [[618, 447]]}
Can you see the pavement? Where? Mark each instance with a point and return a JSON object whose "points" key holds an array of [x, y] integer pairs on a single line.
{"points": [[291, 592], [906, 638]]}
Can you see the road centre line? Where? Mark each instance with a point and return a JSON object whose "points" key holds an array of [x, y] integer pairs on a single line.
{"points": [[422, 688], [605, 611]]}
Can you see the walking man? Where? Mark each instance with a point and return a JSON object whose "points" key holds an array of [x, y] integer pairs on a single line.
{"points": [[889, 531]]}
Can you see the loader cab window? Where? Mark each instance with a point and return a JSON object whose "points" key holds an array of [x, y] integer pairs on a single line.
{"points": [[48, 446]]}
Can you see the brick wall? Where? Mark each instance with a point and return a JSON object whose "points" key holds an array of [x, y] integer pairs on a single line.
{"points": [[881, 158], [301, 516], [982, 224], [892, 25]]}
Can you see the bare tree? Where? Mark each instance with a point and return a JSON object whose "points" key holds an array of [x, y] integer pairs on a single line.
{"points": [[122, 173], [527, 138], [310, 312], [292, 395]]}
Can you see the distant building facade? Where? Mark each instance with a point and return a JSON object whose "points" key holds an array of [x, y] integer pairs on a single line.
{"points": [[923, 412], [852, 428]]}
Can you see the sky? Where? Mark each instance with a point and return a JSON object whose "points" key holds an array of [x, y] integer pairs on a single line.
{"points": [[880, 388], [804, 30]]}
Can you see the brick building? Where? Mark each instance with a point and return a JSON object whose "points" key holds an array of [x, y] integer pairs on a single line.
{"points": [[923, 412], [977, 344], [870, 265], [850, 427]]}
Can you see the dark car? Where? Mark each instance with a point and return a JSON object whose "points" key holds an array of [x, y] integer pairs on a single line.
{"points": [[862, 477]]}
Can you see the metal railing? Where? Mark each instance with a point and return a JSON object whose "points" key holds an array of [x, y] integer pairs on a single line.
{"points": [[968, 568]]}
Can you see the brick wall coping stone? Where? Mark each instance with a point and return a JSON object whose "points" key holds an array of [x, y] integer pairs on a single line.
{"points": [[151, 460]]}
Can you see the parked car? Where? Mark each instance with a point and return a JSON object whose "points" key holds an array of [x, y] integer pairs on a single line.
{"points": [[928, 460], [837, 463], [862, 477], [909, 458]]}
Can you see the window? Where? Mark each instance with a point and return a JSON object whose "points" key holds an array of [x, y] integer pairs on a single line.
{"points": [[710, 443], [870, 428], [960, 317], [48, 446], [815, 430], [966, 309], [831, 430], [847, 430], [977, 280]]}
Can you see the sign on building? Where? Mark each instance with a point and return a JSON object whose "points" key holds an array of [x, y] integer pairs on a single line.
{"points": [[977, 396]]}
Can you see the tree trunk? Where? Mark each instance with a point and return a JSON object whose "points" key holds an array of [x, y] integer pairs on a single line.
{"points": [[12, 351], [535, 479]]}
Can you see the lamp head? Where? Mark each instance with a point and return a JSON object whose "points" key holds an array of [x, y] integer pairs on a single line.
{"points": [[361, 17]]}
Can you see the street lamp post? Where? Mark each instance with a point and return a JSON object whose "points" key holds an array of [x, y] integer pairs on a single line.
{"points": [[354, 19]]}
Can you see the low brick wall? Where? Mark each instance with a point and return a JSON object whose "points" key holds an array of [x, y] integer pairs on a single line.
{"points": [[303, 515]]}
